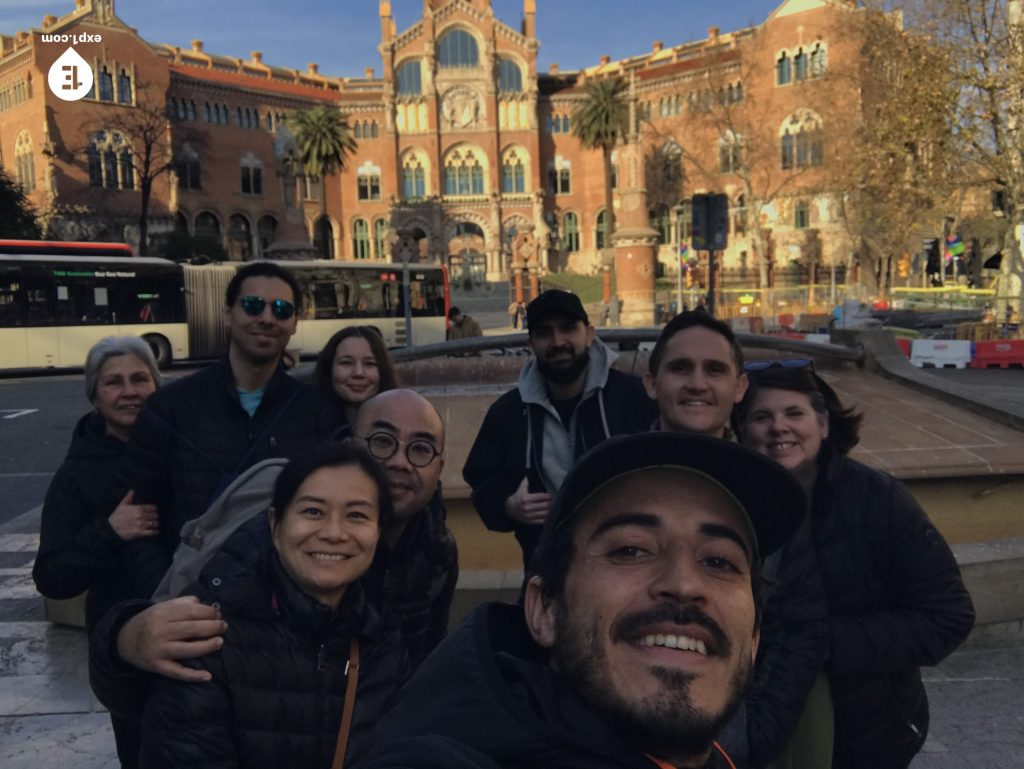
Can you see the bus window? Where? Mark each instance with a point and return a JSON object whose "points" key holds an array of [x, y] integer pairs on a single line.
{"points": [[83, 302], [325, 300], [12, 305], [427, 292]]}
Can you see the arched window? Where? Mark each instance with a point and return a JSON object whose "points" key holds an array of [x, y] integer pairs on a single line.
{"points": [[266, 233], [252, 175], [180, 222], [207, 226], [368, 181], [513, 172], [510, 77], [601, 231], [802, 215], [463, 173], [560, 177], [800, 65], [374, 130], [730, 154], [360, 239], [124, 87], [380, 231], [571, 233], [414, 176], [739, 217], [458, 48], [784, 70], [239, 238], [187, 168], [410, 79], [110, 161], [357, 131], [323, 238], [819, 60], [802, 141], [106, 88], [25, 164]]}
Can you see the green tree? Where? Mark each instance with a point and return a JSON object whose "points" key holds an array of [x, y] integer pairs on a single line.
{"points": [[325, 143], [601, 119], [17, 217]]}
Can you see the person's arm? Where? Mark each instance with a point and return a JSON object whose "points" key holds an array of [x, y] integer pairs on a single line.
{"points": [[930, 612], [189, 724], [75, 548], [137, 637], [487, 469], [794, 647]]}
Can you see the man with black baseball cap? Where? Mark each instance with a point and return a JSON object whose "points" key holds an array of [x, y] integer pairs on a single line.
{"points": [[568, 400], [639, 632]]}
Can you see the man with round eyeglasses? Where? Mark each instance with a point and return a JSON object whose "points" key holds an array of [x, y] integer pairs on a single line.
{"points": [[414, 573]]}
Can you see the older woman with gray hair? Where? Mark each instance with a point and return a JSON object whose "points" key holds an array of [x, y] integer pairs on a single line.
{"points": [[89, 519]]}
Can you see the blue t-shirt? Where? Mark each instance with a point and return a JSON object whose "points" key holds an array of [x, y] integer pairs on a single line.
{"points": [[251, 400]]}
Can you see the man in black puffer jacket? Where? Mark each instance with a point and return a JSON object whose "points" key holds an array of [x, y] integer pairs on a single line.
{"points": [[569, 399]]}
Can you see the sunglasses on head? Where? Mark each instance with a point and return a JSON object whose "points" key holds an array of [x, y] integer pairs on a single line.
{"points": [[764, 365], [254, 305]]}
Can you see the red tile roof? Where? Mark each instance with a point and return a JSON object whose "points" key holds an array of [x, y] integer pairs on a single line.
{"points": [[255, 83]]}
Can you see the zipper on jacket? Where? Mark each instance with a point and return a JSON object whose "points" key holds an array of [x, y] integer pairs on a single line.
{"points": [[320, 658]]}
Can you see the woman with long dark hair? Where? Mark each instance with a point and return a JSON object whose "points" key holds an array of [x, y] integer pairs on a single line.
{"points": [[895, 596], [352, 367]]}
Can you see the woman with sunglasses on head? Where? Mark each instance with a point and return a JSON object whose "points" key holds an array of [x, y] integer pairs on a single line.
{"points": [[307, 666], [90, 519], [896, 599], [353, 367]]}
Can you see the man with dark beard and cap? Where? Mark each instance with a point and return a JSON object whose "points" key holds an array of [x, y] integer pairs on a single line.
{"points": [[639, 631], [568, 400]]}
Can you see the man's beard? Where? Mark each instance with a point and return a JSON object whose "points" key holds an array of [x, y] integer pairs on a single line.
{"points": [[669, 726], [567, 372]]}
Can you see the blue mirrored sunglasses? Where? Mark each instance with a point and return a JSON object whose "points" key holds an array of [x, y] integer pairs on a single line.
{"points": [[279, 308], [763, 365]]}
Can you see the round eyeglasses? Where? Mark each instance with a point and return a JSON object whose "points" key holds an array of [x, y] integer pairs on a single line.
{"points": [[254, 305], [420, 453]]}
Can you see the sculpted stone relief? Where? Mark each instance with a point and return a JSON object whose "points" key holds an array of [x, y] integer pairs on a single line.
{"points": [[461, 109]]}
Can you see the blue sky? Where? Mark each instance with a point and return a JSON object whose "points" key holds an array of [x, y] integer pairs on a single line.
{"points": [[342, 35]]}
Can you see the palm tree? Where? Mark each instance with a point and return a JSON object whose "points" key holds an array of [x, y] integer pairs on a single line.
{"points": [[599, 122], [325, 144]]}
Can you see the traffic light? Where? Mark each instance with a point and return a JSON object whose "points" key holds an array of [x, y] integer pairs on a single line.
{"points": [[710, 230], [903, 265]]}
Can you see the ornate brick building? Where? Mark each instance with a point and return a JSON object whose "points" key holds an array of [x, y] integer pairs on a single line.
{"points": [[465, 151]]}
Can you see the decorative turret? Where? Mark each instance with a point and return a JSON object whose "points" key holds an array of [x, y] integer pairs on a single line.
{"points": [[530, 18], [387, 23]]}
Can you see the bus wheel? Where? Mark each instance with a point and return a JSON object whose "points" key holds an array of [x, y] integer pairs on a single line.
{"points": [[161, 350]]}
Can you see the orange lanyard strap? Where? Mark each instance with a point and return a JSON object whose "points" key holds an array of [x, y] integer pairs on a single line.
{"points": [[666, 765], [352, 669]]}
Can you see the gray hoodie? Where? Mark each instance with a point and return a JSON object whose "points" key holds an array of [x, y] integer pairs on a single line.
{"points": [[559, 442]]}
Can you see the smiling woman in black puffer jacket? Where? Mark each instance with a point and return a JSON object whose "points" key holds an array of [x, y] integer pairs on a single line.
{"points": [[896, 601], [299, 632]]}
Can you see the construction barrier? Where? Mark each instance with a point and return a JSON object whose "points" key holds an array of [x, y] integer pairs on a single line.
{"points": [[998, 354], [940, 353], [818, 338]]}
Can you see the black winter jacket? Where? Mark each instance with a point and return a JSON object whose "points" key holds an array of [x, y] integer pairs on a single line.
{"points": [[193, 438], [487, 699], [792, 652], [279, 681], [78, 548], [896, 602], [510, 446]]}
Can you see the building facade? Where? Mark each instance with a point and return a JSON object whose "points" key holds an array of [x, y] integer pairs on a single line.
{"points": [[466, 153]]}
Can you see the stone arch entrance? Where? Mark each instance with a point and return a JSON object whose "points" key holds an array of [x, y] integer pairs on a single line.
{"points": [[467, 260]]}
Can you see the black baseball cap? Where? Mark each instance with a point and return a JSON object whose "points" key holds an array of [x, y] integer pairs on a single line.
{"points": [[771, 498], [555, 300]]}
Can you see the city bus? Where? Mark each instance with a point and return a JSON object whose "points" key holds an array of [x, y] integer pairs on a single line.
{"points": [[57, 299], [334, 295]]}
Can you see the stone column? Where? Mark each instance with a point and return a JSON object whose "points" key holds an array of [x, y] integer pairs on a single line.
{"points": [[635, 243]]}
